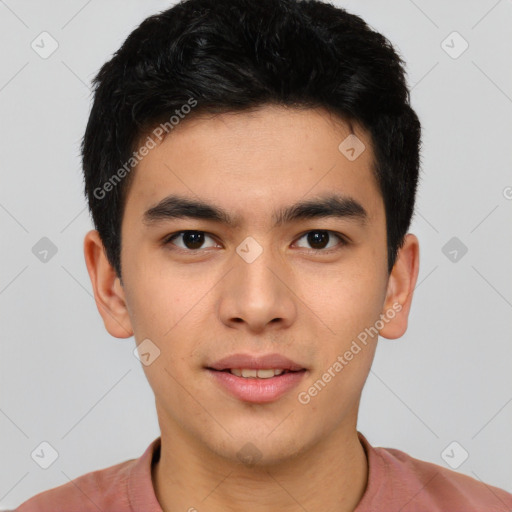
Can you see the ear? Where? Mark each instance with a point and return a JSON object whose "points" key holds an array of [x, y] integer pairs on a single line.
{"points": [[401, 283], [108, 291]]}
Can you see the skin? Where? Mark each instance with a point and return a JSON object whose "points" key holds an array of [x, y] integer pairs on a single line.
{"points": [[306, 305]]}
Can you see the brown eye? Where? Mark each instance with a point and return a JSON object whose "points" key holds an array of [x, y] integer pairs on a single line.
{"points": [[190, 240], [320, 239]]}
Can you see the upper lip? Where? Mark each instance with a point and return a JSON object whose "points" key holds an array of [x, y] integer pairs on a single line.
{"points": [[261, 362]]}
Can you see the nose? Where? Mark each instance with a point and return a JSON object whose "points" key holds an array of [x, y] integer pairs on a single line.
{"points": [[258, 295]]}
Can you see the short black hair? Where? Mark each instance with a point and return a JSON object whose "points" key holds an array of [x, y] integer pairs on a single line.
{"points": [[214, 56]]}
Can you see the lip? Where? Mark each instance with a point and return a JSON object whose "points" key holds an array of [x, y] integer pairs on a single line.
{"points": [[255, 362], [256, 390]]}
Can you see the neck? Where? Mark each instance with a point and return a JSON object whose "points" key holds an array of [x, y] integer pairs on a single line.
{"points": [[331, 476]]}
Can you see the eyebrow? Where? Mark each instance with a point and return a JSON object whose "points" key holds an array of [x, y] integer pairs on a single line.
{"points": [[181, 207]]}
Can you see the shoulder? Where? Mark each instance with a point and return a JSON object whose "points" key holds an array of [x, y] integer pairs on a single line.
{"points": [[93, 491], [416, 485], [443, 486]]}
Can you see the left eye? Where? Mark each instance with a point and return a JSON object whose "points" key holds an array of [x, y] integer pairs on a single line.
{"points": [[320, 239], [190, 239]]}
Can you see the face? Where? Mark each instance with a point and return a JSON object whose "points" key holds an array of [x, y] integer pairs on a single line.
{"points": [[248, 276]]}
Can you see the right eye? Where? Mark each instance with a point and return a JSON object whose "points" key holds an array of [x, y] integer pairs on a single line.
{"points": [[190, 240]]}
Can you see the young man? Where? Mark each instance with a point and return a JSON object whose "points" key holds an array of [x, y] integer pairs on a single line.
{"points": [[251, 169]]}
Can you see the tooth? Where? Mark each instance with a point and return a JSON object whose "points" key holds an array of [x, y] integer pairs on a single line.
{"points": [[265, 374], [249, 373]]}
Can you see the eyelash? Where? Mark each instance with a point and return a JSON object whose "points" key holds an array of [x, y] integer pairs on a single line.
{"points": [[343, 240]]}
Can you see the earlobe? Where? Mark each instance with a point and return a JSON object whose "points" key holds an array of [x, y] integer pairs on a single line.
{"points": [[108, 292], [401, 284]]}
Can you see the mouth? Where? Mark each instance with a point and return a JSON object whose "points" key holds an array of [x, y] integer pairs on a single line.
{"points": [[249, 362], [256, 379], [257, 373]]}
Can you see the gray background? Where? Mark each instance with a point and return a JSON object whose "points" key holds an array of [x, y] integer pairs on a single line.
{"points": [[66, 381]]}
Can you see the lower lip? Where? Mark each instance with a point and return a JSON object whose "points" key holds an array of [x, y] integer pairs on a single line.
{"points": [[258, 390]]}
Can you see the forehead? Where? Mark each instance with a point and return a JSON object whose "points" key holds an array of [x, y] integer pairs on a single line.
{"points": [[249, 160]]}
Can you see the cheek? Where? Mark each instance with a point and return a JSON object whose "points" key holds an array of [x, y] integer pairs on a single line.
{"points": [[346, 299], [167, 308], [158, 297]]}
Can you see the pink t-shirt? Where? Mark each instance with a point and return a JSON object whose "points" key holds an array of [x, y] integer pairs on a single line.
{"points": [[396, 483]]}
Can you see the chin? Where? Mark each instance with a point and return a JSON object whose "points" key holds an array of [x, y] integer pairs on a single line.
{"points": [[256, 448]]}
